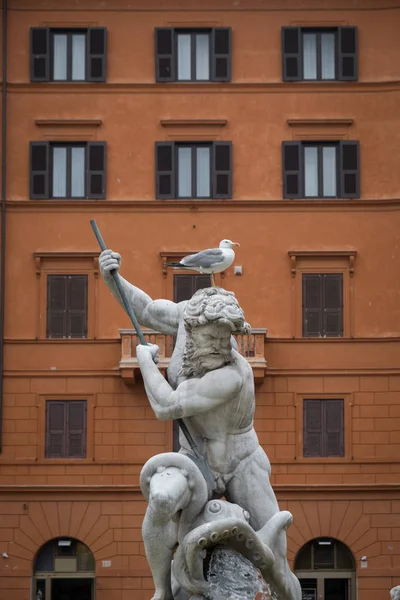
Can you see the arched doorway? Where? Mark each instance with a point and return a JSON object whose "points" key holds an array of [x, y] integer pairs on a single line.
{"points": [[327, 570], [64, 569]]}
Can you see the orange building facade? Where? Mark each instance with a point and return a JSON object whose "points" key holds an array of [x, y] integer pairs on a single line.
{"points": [[273, 123]]}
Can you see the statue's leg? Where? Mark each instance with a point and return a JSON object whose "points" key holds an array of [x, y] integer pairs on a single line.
{"points": [[169, 493], [251, 489]]}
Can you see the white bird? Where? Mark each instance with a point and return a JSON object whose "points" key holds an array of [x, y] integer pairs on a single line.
{"points": [[213, 260]]}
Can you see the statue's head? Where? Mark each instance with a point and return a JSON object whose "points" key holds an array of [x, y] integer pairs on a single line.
{"points": [[211, 316]]}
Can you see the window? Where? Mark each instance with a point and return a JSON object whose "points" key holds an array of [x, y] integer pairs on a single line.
{"points": [[322, 305], [323, 553], [193, 170], [319, 54], [193, 55], [323, 428], [321, 169], [187, 285], [61, 170], [66, 429], [67, 298], [68, 55]]}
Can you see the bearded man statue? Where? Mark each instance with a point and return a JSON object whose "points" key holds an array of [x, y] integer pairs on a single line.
{"points": [[211, 387]]}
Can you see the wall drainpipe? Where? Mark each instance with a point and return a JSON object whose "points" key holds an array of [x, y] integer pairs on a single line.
{"points": [[3, 214]]}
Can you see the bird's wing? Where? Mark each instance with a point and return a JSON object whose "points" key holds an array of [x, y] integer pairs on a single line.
{"points": [[205, 259]]}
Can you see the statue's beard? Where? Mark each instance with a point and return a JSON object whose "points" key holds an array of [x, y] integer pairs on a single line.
{"points": [[192, 361]]}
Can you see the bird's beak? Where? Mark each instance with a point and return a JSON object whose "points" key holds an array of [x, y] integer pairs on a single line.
{"points": [[235, 244]]}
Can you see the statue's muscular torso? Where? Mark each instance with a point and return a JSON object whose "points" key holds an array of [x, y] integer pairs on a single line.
{"points": [[225, 433]]}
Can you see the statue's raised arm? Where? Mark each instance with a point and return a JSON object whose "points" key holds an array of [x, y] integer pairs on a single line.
{"points": [[161, 315]]}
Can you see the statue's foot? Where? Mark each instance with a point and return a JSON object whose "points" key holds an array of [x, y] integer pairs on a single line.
{"points": [[163, 595]]}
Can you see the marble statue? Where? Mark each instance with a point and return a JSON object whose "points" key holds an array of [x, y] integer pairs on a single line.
{"points": [[211, 387], [395, 593]]}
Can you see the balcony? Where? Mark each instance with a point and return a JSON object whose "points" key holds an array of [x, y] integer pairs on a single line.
{"points": [[250, 346]]}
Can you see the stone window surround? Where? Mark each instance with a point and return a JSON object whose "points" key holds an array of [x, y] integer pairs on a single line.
{"points": [[66, 263], [347, 421], [322, 261], [41, 448]]}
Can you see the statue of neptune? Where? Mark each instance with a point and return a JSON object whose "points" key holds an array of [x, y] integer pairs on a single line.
{"points": [[211, 386]]}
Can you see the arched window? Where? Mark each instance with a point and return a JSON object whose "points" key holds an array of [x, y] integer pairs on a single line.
{"points": [[324, 554], [64, 569], [66, 555], [326, 569]]}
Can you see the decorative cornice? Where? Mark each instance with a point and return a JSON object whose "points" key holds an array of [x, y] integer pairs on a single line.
{"points": [[320, 122], [68, 122], [193, 122], [295, 87], [349, 254], [41, 256], [217, 205]]}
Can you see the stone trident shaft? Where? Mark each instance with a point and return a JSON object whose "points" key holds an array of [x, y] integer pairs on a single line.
{"points": [[200, 460]]}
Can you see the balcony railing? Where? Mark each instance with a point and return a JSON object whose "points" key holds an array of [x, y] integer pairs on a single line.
{"points": [[250, 346]]}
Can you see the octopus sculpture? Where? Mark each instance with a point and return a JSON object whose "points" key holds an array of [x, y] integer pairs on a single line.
{"points": [[207, 524]]}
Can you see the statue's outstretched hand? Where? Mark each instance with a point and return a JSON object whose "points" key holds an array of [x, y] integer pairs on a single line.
{"points": [[151, 349], [109, 261]]}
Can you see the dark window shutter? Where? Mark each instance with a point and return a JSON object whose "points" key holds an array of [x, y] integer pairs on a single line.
{"points": [[55, 429], [291, 54], [40, 54], [312, 305], [165, 170], [312, 428], [349, 169], [333, 428], [201, 282], [221, 44], [292, 170], [165, 54], [186, 285], [77, 306], [76, 428], [57, 306], [96, 165], [183, 287], [39, 170], [333, 304], [96, 54], [222, 170], [348, 54]]}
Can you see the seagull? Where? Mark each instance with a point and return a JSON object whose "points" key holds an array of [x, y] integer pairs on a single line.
{"points": [[213, 260]]}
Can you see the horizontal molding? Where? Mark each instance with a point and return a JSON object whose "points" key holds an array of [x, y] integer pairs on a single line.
{"points": [[193, 122], [322, 253], [320, 122], [68, 122], [270, 372], [283, 489], [333, 340], [66, 254], [270, 340], [70, 341], [210, 7], [123, 462], [263, 87], [179, 206]]}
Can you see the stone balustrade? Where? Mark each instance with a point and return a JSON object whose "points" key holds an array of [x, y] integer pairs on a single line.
{"points": [[250, 346]]}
